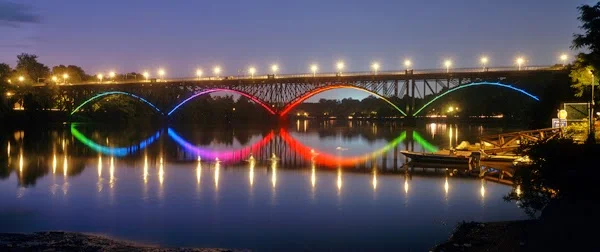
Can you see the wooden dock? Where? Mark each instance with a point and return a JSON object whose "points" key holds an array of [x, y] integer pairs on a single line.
{"points": [[507, 143]]}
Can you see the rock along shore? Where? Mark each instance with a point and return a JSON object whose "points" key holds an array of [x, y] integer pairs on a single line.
{"points": [[67, 241]]}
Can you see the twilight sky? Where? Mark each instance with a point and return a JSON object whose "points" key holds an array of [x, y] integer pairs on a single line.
{"points": [[136, 35]]}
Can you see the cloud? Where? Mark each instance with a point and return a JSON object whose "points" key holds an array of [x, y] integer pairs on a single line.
{"points": [[14, 14]]}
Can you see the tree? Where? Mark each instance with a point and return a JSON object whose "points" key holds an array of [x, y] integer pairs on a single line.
{"points": [[581, 75], [5, 72], [561, 170], [30, 68], [590, 39], [4, 75], [75, 73]]}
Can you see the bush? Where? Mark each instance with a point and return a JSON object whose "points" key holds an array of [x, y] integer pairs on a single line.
{"points": [[561, 170]]}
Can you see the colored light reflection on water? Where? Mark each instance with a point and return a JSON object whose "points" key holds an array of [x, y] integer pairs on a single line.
{"points": [[267, 189]]}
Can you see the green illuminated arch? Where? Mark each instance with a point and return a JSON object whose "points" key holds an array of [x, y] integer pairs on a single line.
{"points": [[98, 96]]}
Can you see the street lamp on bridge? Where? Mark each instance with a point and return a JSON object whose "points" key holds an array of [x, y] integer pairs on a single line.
{"points": [[592, 121], [448, 64], [252, 71], [112, 75], [313, 69], [274, 69], [161, 73], [563, 58], [375, 67], [407, 64], [100, 77], [146, 75], [340, 66], [484, 60], [217, 71], [199, 73], [520, 62]]}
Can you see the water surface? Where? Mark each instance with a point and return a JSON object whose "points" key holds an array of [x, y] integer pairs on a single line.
{"points": [[310, 186]]}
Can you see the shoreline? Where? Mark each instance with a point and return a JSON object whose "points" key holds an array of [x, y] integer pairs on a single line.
{"points": [[70, 241], [492, 236]]}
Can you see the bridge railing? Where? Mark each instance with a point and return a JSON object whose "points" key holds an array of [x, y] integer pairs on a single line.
{"points": [[342, 74]]}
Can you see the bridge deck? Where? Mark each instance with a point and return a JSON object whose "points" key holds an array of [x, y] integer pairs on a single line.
{"points": [[332, 77]]}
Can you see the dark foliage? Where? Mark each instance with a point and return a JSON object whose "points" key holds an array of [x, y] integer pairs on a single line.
{"points": [[561, 170]]}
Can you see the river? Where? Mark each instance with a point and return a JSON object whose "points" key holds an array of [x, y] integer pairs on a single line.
{"points": [[309, 185]]}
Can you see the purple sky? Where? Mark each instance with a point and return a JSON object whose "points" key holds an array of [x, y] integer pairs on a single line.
{"points": [[136, 35]]}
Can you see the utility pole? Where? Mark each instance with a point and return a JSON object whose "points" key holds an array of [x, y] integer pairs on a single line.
{"points": [[592, 119]]}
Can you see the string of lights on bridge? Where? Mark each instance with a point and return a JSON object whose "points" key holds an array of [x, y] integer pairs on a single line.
{"points": [[274, 69]]}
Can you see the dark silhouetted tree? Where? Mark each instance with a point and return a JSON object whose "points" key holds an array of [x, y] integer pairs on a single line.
{"points": [[75, 73], [589, 40], [29, 67]]}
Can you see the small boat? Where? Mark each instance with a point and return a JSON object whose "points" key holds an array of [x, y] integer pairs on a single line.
{"points": [[439, 157]]}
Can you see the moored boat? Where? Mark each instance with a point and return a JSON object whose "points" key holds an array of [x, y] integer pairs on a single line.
{"points": [[451, 157], [459, 157]]}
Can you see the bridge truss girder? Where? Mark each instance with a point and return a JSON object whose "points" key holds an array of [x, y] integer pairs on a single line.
{"points": [[281, 92]]}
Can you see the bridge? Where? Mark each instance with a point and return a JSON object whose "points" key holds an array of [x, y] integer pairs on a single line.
{"points": [[409, 92]]}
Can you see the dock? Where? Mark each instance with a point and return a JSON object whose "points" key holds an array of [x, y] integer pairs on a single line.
{"points": [[493, 157], [508, 143]]}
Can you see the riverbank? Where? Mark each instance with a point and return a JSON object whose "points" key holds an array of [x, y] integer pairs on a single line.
{"points": [[522, 235], [66, 241], [492, 236]]}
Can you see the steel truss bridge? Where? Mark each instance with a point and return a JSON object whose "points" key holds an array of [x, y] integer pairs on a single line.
{"points": [[410, 92]]}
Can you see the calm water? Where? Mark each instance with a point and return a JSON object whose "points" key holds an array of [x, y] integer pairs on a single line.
{"points": [[309, 186]]}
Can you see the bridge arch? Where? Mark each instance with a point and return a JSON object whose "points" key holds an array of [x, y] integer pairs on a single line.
{"points": [[305, 96], [477, 84], [251, 97], [98, 96]]}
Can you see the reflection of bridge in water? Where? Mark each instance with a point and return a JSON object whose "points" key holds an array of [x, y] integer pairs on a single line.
{"points": [[291, 152], [256, 156]]}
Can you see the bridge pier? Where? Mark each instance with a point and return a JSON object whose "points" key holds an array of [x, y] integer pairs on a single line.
{"points": [[409, 121]]}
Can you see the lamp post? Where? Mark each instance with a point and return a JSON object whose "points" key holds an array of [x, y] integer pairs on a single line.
{"points": [[313, 69], [563, 59], [217, 71], [274, 69], [199, 73], [407, 64], [592, 121], [252, 71], [484, 61], [65, 77], [375, 67], [340, 66], [100, 77], [520, 62], [448, 64], [161, 74]]}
